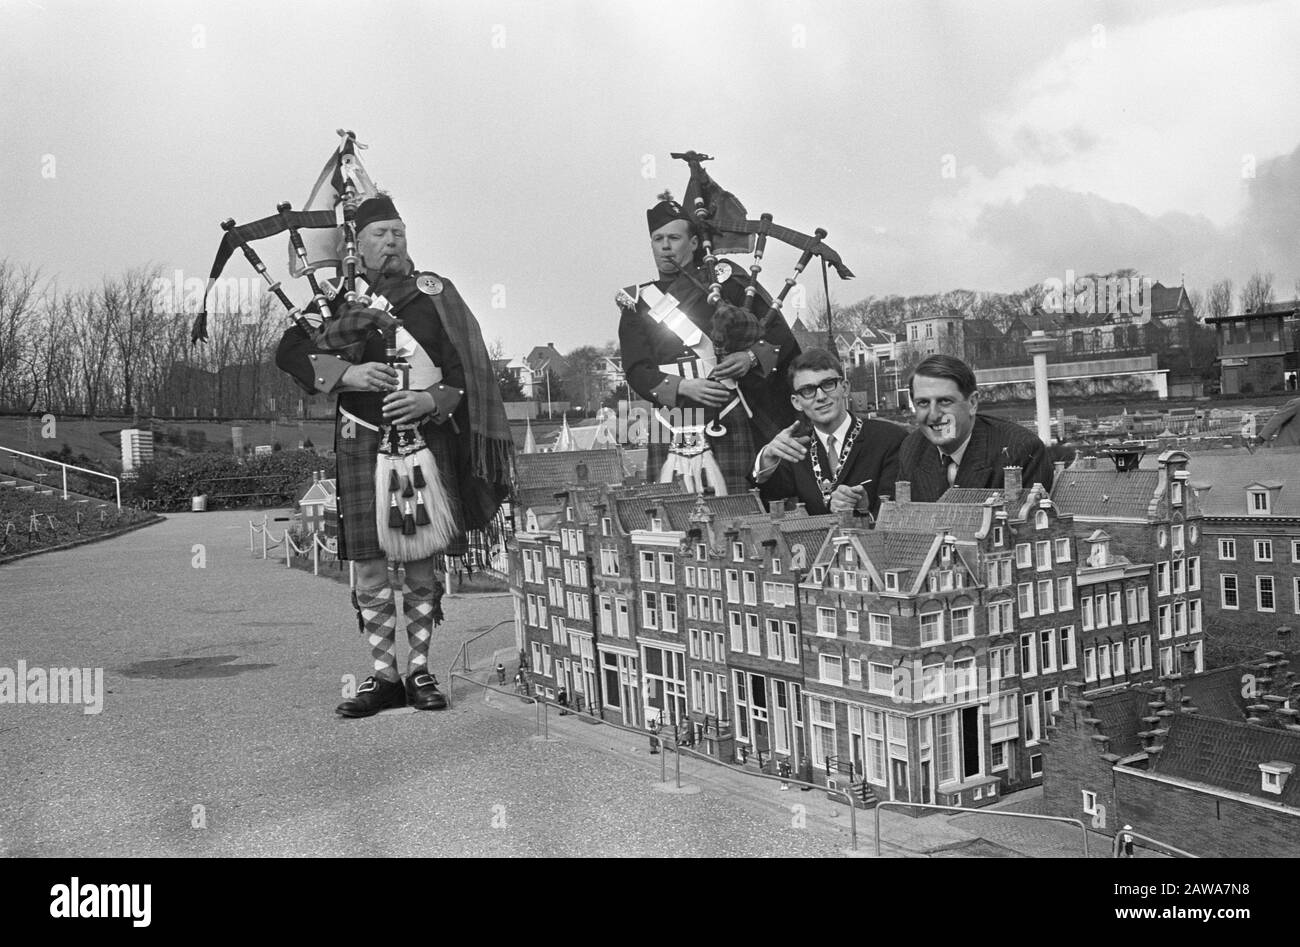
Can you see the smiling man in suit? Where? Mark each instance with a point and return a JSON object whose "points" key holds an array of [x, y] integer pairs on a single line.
{"points": [[845, 463], [953, 445]]}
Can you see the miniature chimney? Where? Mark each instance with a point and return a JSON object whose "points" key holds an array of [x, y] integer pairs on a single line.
{"points": [[1011, 481], [903, 491], [800, 509]]}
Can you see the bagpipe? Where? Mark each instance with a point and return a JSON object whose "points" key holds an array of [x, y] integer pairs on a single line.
{"points": [[414, 516], [723, 226]]}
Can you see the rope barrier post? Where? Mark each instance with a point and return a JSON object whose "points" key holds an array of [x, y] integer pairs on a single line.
{"points": [[288, 564], [877, 812], [315, 554], [853, 820]]}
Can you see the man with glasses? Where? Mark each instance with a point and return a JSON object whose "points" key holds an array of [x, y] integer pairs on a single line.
{"points": [[953, 446], [845, 463]]}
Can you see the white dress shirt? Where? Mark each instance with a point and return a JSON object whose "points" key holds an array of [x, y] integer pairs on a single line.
{"points": [[764, 471]]}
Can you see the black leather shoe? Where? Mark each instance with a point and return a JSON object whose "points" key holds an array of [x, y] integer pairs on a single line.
{"points": [[422, 691], [373, 695]]}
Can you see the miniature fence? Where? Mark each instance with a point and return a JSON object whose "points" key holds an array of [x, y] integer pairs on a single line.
{"points": [[317, 543]]}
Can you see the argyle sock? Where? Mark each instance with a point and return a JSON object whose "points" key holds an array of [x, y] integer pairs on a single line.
{"points": [[420, 607], [379, 615]]}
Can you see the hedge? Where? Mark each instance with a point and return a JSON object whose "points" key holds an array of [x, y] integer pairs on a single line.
{"points": [[169, 484]]}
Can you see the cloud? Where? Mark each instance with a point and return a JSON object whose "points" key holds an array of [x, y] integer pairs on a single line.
{"points": [[1052, 229], [1133, 146]]}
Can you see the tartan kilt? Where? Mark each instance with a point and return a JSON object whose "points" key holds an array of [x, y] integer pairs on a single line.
{"points": [[734, 451], [355, 458]]}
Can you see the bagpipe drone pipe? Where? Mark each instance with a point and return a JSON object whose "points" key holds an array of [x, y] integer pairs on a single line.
{"points": [[724, 228]]}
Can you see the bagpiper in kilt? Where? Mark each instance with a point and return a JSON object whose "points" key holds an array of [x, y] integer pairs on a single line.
{"points": [[715, 377], [421, 428]]}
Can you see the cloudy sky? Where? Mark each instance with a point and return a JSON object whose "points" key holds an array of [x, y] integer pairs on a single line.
{"points": [[960, 144]]}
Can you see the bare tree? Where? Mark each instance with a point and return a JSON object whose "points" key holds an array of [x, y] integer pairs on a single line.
{"points": [[89, 322], [1257, 292], [131, 318], [1218, 299], [20, 295]]}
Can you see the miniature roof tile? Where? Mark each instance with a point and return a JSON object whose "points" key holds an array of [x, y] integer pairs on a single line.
{"points": [[897, 548], [675, 511], [1105, 494], [1120, 713], [544, 499], [1230, 474], [557, 468], [1217, 693], [963, 520], [1227, 754]]}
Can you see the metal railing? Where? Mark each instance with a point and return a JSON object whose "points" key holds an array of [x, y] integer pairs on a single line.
{"points": [[968, 811], [66, 467], [1126, 836], [462, 656]]}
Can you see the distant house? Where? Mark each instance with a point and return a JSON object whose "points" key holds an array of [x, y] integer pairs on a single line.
{"points": [[1258, 350], [932, 334], [1170, 305], [540, 476], [546, 358], [319, 506], [1252, 539], [806, 337], [518, 367]]}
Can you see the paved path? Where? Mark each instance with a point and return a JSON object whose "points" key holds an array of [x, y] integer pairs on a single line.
{"points": [[222, 671]]}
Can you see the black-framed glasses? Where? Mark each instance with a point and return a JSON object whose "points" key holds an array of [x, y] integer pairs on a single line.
{"points": [[808, 392]]}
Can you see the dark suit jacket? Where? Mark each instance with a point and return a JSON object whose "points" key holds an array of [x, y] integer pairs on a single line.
{"points": [[874, 457], [994, 444]]}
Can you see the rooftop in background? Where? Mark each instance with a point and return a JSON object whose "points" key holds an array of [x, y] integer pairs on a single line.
{"points": [[1229, 473], [1227, 754], [675, 512], [540, 476], [960, 511], [1104, 492], [1290, 307]]}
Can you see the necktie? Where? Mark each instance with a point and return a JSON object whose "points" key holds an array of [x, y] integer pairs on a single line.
{"points": [[833, 455], [950, 464]]}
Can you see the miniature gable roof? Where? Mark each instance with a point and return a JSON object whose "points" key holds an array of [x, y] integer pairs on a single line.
{"points": [[1227, 754], [963, 520], [556, 468], [1106, 494], [1231, 474], [322, 491]]}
